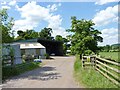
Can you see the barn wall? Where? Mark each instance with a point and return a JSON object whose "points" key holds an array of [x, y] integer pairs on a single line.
{"points": [[36, 52], [42, 52], [17, 52]]}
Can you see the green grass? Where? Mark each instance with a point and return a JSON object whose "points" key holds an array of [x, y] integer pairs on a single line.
{"points": [[10, 71], [112, 55], [90, 78]]}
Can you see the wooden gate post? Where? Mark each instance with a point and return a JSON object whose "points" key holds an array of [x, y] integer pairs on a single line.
{"points": [[94, 61], [82, 61]]}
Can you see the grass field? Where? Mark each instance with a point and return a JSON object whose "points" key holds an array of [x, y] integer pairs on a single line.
{"points": [[112, 55], [90, 78]]}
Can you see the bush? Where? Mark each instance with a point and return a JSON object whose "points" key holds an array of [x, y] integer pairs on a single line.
{"points": [[47, 56], [88, 52], [27, 58], [8, 72]]}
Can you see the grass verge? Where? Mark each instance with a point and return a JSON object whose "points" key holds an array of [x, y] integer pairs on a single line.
{"points": [[89, 77], [10, 71]]}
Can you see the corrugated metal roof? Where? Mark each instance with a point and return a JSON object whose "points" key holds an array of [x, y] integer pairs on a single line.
{"points": [[29, 45]]}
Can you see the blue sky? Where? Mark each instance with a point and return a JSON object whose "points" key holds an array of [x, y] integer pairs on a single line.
{"points": [[56, 15]]}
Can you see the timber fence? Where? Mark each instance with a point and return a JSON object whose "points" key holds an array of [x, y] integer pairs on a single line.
{"points": [[110, 69]]}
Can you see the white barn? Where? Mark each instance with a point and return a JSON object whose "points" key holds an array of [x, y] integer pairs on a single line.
{"points": [[27, 47], [33, 48]]}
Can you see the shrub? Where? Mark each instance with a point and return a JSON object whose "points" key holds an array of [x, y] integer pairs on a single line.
{"points": [[27, 58], [47, 56], [88, 52]]}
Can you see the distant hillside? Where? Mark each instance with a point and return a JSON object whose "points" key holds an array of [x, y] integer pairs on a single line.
{"points": [[116, 44]]}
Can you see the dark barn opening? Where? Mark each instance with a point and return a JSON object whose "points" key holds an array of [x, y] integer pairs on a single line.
{"points": [[52, 46]]}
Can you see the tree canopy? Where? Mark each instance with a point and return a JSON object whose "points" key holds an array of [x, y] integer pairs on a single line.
{"points": [[64, 41], [84, 37], [59, 38], [46, 33], [6, 24], [28, 34]]}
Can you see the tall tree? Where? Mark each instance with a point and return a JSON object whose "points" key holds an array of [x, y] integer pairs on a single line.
{"points": [[6, 24], [46, 33], [20, 33], [59, 38], [84, 37], [28, 34], [64, 40]]}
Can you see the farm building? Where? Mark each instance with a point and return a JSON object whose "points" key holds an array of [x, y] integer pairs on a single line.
{"points": [[26, 49], [32, 48], [52, 46]]}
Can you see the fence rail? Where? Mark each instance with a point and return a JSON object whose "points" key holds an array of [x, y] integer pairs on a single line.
{"points": [[110, 69], [7, 60]]}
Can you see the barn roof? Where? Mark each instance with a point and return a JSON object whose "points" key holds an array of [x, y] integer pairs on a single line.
{"points": [[30, 45]]}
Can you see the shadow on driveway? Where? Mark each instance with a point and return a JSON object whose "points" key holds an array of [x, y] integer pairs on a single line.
{"points": [[43, 73]]}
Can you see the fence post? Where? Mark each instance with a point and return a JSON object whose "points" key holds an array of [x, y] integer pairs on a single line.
{"points": [[82, 61], [95, 61], [106, 67]]}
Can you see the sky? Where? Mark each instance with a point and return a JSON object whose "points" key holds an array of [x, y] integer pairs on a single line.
{"points": [[57, 15]]}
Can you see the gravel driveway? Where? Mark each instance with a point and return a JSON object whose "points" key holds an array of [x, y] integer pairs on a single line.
{"points": [[56, 73]]}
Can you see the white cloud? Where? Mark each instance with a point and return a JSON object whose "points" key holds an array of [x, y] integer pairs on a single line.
{"points": [[59, 4], [12, 3], [101, 2], [53, 7], [5, 7], [3, 3], [54, 21], [106, 16], [60, 31], [110, 36], [24, 24], [33, 14]]}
